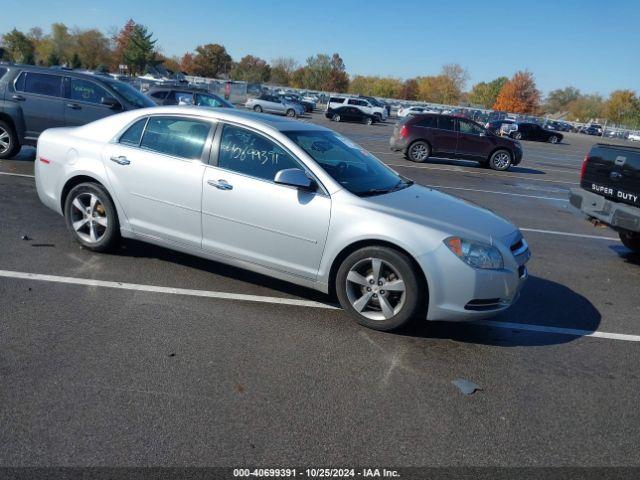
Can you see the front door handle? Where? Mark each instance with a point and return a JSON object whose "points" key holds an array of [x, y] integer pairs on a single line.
{"points": [[121, 160], [220, 184], [73, 106], [19, 98]]}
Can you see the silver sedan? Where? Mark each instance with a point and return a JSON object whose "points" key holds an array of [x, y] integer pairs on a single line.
{"points": [[287, 199]]}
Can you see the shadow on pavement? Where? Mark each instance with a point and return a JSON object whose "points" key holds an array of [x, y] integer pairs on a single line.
{"points": [[627, 255], [542, 302]]}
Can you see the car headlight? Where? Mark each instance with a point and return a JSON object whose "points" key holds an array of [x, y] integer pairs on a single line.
{"points": [[476, 254]]}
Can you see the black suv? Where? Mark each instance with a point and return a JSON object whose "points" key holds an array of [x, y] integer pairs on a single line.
{"points": [[33, 99], [187, 96]]}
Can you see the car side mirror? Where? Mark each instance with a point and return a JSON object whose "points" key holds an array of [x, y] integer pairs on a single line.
{"points": [[295, 177], [111, 103]]}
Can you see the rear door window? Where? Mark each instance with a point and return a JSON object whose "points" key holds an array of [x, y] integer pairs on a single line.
{"points": [[176, 136], [40, 83], [132, 135], [427, 122], [469, 128], [446, 123]]}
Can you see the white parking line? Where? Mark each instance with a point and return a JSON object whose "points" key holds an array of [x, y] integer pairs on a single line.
{"points": [[500, 193], [17, 175], [157, 289], [293, 302], [567, 234]]}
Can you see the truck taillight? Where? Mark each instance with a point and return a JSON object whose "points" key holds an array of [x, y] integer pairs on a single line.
{"points": [[584, 166], [404, 132]]}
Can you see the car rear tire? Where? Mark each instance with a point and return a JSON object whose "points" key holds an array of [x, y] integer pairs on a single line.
{"points": [[336, 118], [553, 139], [631, 240], [368, 121], [9, 143], [380, 288], [291, 113], [257, 108], [92, 217], [517, 135], [500, 160], [419, 151]]}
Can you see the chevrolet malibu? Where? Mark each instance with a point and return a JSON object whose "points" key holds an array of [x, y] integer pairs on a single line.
{"points": [[288, 199]]}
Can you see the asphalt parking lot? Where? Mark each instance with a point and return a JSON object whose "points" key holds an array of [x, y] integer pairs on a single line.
{"points": [[151, 357]]}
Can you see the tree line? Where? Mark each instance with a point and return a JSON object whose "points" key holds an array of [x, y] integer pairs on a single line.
{"points": [[135, 47]]}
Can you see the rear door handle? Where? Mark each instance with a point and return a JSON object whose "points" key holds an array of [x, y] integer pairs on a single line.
{"points": [[73, 106], [121, 160], [220, 184], [19, 98]]}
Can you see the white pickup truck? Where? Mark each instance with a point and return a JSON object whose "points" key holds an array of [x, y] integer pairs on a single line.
{"points": [[365, 105]]}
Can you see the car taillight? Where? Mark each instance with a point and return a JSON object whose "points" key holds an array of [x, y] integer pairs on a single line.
{"points": [[584, 166], [404, 132]]}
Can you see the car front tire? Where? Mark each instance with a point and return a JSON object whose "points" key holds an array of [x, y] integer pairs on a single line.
{"points": [[553, 139], [257, 108], [336, 118], [380, 288], [368, 121], [9, 144], [500, 160], [92, 217], [291, 113]]}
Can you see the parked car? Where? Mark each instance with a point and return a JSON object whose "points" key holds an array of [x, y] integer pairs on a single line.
{"points": [[413, 110], [495, 126], [274, 104], [350, 114], [33, 99], [593, 130], [634, 137], [610, 190], [293, 98], [187, 96], [361, 103], [533, 131], [291, 200], [422, 136], [378, 103]]}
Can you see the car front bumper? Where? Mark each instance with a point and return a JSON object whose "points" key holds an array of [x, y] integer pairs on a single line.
{"points": [[459, 292], [618, 215]]}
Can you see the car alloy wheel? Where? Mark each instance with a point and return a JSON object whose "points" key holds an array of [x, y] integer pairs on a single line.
{"points": [[291, 113], [375, 289], [368, 121], [89, 217], [336, 118], [5, 141], [257, 108], [500, 160], [553, 139], [419, 152]]}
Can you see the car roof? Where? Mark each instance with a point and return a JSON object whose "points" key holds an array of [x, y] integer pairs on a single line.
{"points": [[61, 71], [182, 89]]}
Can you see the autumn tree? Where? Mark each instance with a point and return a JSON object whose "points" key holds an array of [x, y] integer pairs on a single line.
{"points": [[585, 108], [121, 42], [211, 60], [62, 42], [298, 78], [438, 89], [458, 75], [519, 94], [251, 69], [187, 64], [386, 87], [486, 93], [623, 108], [409, 89], [338, 78], [92, 47]]}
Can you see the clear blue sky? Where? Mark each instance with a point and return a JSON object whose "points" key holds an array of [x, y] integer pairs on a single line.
{"points": [[592, 45]]}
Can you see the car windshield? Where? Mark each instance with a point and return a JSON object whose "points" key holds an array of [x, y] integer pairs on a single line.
{"points": [[132, 95], [348, 163]]}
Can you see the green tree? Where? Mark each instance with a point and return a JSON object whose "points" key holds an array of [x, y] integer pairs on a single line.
{"points": [[486, 93], [75, 61], [317, 72], [62, 42], [92, 48], [211, 60], [281, 70], [18, 48], [298, 78], [140, 50], [53, 59], [251, 69], [558, 100]]}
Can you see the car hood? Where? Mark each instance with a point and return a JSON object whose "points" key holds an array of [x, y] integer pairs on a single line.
{"points": [[443, 212]]}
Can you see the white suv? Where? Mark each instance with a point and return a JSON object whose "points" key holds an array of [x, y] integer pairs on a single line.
{"points": [[362, 104]]}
